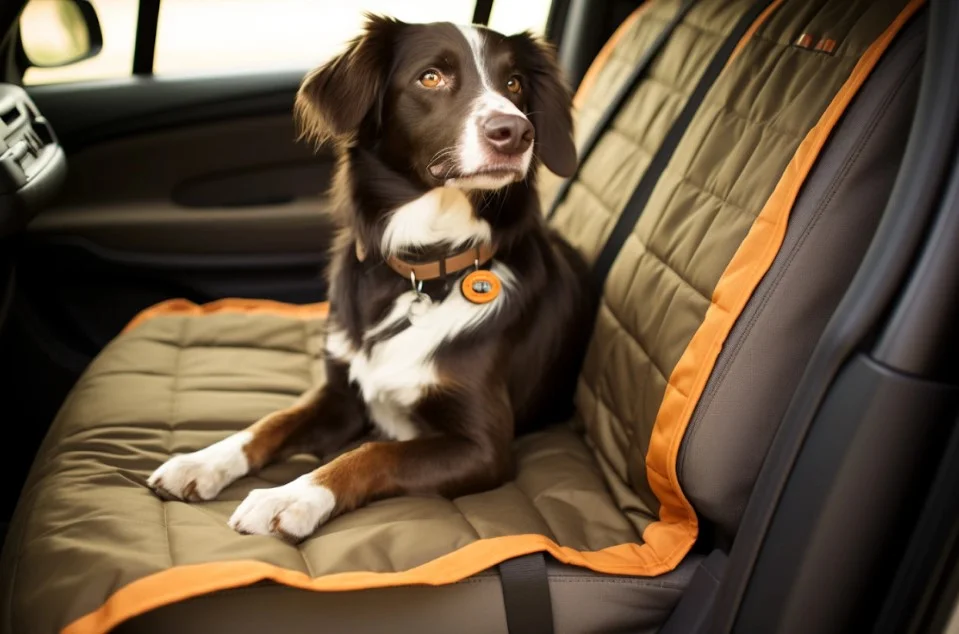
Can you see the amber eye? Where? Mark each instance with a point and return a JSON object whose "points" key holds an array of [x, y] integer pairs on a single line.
{"points": [[514, 85], [431, 79]]}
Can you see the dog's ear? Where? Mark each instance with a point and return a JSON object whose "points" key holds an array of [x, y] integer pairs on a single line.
{"points": [[549, 103], [334, 99]]}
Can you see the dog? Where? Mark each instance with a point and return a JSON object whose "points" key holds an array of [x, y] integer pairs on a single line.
{"points": [[458, 319]]}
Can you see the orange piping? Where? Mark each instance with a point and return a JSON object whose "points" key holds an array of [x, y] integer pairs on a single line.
{"points": [[599, 62], [230, 305]]}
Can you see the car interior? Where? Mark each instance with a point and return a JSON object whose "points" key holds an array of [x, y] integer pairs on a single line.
{"points": [[764, 437]]}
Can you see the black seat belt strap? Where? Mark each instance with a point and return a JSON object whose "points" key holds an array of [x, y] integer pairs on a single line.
{"points": [[526, 595], [639, 71], [637, 202]]}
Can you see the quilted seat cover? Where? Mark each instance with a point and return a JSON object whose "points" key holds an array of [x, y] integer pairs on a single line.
{"points": [[90, 546]]}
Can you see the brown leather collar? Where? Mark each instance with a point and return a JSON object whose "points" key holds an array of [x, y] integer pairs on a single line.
{"points": [[433, 269]]}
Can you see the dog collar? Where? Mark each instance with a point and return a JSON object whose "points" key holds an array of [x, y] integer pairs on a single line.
{"points": [[472, 257]]}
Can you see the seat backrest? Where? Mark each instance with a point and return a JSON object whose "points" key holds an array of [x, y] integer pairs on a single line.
{"points": [[712, 308], [830, 228]]}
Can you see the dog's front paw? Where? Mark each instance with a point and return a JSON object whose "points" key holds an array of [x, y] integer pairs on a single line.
{"points": [[201, 475], [292, 511]]}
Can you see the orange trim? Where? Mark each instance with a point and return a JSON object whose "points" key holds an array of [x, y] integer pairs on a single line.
{"points": [[599, 62], [184, 582], [666, 542], [763, 17], [230, 305], [737, 283]]}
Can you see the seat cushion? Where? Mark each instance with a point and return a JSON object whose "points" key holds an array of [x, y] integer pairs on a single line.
{"points": [[88, 526]]}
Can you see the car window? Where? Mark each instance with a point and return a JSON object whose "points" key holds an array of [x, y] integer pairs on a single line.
{"points": [[513, 16], [213, 36]]}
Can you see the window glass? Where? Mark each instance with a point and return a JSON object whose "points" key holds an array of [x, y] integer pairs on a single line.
{"points": [[204, 36], [211, 36], [118, 23], [513, 16]]}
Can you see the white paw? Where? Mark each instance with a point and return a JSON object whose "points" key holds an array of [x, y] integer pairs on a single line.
{"points": [[203, 474], [292, 511]]}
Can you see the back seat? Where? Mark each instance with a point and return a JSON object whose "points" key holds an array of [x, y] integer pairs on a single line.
{"points": [[709, 313]]}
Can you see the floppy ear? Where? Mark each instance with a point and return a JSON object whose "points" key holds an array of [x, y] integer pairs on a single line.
{"points": [[549, 103], [334, 99]]}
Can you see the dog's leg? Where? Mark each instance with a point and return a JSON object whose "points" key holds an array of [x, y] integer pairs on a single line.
{"points": [[330, 415], [473, 457]]}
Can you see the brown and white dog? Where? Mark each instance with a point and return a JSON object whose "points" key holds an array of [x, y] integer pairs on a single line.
{"points": [[438, 131]]}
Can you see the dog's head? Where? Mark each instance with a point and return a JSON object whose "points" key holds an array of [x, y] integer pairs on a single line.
{"points": [[456, 106]]}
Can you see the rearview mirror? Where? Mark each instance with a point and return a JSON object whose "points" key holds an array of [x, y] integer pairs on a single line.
{"points": [[59, 32]]}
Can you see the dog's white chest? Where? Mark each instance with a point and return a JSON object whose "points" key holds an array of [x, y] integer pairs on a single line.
{"points": [[394, 373], [392, 376]]}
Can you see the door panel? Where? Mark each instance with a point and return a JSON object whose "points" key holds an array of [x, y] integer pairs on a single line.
{"points": [[234, 187], [89, 113], [157, 163], [156, 228], [176, 188]]}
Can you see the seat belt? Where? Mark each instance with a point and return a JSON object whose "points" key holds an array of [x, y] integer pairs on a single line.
{"points": [[526, 595], [639, 71], [637, 202]]}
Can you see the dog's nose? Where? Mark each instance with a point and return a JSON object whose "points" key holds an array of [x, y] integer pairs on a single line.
{"points": [[508, 133]]}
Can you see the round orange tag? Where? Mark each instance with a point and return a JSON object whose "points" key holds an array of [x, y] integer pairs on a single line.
{"points": [[481, 286]]}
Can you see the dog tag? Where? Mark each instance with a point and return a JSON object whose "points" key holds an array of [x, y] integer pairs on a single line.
{"points": [[481, 286], [418, 307]]}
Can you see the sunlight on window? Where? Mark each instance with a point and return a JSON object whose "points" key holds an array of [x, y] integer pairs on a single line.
{"points": [[513, 16], [206, 37], [200, 36]]}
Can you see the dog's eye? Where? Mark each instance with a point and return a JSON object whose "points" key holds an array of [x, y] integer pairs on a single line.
{"points": [[514, 85], [431, 79]]}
